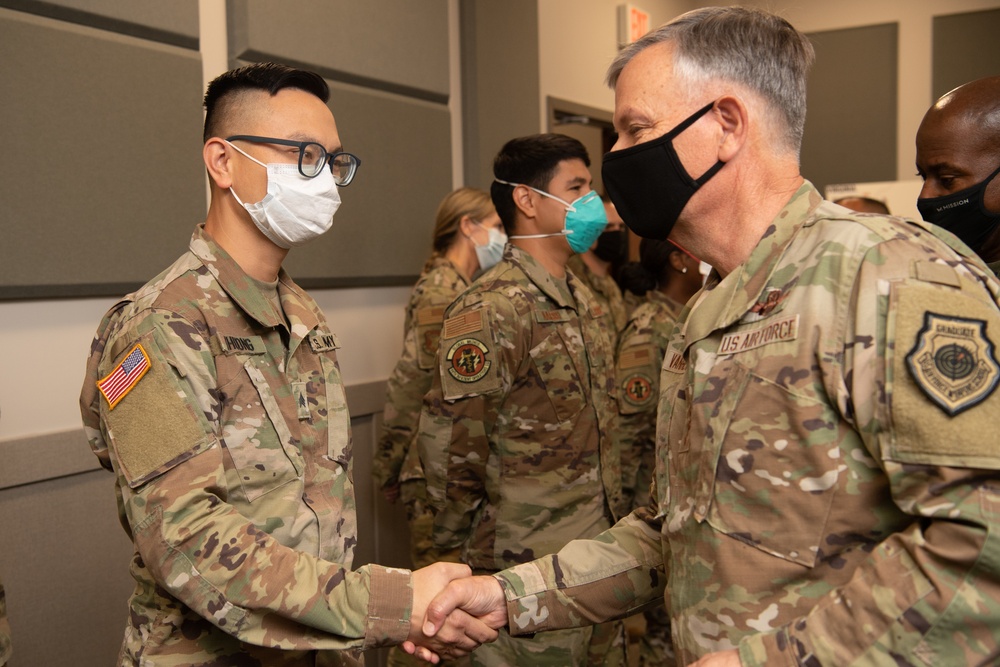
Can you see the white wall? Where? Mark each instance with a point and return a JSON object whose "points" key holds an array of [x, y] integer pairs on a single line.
{"points": [[578, 39], [915, 19]]}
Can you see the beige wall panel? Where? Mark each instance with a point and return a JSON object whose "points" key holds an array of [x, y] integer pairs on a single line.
{"points": [[107, 181], [500, 80], [174, 22], [382, 233], [965, 49], [64, 564], [400, 46], [850, 134]]}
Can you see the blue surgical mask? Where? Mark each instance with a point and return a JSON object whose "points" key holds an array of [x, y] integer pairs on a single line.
{"points": [[585, 219], [491, 252]]}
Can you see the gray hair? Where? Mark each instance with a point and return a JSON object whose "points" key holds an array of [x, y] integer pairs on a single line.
{"points": [[741, 45]]}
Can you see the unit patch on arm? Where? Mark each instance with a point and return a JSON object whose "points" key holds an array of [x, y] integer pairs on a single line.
{"points": [[954, 362], [467, 360]]}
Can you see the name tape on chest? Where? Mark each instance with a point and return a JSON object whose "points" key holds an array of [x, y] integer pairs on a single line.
{"points": [[544, 316], [323, 341], [126, 375], [953, 362], [674, 362], [237, 344], [780, 331]]}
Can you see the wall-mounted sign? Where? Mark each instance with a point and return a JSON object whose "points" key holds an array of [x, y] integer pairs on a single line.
{"points": [[633, 23]]}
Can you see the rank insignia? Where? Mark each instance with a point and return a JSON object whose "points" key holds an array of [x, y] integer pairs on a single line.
{"points": [[637, 389], [467, 360], [953, 362]]}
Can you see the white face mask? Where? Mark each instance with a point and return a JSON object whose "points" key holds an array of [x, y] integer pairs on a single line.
{"points": [[295, 209], [704, 268], [490, 253]]}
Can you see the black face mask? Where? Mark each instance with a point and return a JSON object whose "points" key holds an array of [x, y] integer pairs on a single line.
{"points": [[648, 183], [612, 246], [963, 213]]}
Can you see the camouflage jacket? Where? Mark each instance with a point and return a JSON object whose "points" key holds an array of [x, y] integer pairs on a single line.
{"points": [[225, 422], [5, 645], [604, 289], [411, 379], [515, 435], [637, 369], [827, 479]]}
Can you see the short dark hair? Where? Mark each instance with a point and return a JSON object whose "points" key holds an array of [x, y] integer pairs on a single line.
{"points": [[532, 161], [269, 77]]}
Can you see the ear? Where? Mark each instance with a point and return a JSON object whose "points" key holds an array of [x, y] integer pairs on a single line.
{"points": [[216, 154], [466, 226], [524, 201], [733, 118], [676, 259]]}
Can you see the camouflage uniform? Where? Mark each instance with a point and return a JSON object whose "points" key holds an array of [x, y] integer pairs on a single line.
{"points": [[995, 268], [515, 436], [604, 289], [395, 461], [232, 456], [826, 481], [640, 354], [5, 646]]}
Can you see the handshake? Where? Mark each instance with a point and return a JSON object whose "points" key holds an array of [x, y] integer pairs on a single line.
{"points": [[453, 612]]}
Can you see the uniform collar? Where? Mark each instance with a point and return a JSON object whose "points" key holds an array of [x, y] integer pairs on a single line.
{"points": [[673, 307], [729, 300], [247, 295], [556, 289]]}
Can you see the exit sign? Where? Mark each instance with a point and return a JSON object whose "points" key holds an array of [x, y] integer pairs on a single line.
{"points": [[633, 23]]}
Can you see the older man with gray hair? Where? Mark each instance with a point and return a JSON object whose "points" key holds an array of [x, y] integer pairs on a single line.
{"points": [[826, 488]]}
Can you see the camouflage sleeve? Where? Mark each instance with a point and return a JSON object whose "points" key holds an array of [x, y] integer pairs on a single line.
{"points": [[165, 448], [637, 375], [919, 377], [410, 380], [475, 361], [616, 574]]}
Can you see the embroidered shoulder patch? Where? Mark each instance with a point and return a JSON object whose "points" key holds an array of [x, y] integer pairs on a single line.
{"points": [[638, 389], [467, 360], [635, 356], [953, 362], [125, 376]]}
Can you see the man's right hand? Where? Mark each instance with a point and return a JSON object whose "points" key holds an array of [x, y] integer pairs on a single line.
{"points": [[481, 597]]}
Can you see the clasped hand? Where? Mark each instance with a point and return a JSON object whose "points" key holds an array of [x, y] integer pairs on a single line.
{"points": [[466, 612]]}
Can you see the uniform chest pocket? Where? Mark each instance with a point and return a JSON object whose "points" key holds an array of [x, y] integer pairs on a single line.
{"points": [[254, 431], [556, 375], [778, 466]]}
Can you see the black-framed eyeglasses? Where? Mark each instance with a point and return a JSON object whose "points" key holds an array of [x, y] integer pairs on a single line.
{"points": [[312, 158]]}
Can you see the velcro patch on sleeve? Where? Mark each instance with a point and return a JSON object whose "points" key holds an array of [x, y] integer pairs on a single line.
{"points": [[430, 315], [469, 359], [125, 376], [468, 322], [158, 424], [638, 390], [944, 375], [633, 357]]}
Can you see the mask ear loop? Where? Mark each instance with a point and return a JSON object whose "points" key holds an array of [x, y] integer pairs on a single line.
{"points": [[569, 209]]}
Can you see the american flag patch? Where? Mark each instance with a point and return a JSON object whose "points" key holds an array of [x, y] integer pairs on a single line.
{"points": [[125, 376], [461, 325]]}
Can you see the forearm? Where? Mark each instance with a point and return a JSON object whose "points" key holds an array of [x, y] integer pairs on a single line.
{"points": [[211, 559], [616, 574]]}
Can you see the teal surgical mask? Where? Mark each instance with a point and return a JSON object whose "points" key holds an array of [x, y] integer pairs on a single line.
{"points": [[585, 219]]}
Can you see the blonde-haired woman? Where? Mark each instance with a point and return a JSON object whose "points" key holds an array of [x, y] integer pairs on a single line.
{"points": [[468, 239]]}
